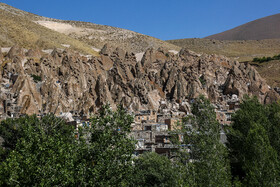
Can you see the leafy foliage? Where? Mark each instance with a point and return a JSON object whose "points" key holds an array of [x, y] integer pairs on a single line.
{"points": [[252, 144], [111, 149], [36, 78], [208, 165], [45, 151], [11, 130], [152, 169], [263, 59], [266, 59], [202, 80]]}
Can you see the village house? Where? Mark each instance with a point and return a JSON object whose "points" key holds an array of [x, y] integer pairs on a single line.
{"points": [[173, 123], [224, 112], [146, 115], [152, 132]]}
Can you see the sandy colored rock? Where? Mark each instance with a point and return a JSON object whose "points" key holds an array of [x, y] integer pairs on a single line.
{"points": [[64, 81]]}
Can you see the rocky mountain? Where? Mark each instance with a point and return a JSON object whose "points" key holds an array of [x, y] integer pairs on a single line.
{"points": [[264, 28], [256, 39], [63, 81], [134, 70], [31, 31]]}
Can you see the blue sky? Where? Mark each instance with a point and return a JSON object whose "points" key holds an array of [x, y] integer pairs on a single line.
{"points": [[164, 19]]}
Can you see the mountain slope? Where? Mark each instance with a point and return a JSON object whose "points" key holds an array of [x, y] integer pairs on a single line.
{"points": [[241, 50], [264, 28], [18, 29], [269, 71], [30, 30], [98, 35]]}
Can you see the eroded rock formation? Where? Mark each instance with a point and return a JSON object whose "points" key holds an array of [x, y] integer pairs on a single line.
{"points": [[65, 81]]}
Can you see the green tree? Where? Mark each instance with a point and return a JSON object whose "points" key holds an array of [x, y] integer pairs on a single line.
{"points": [[111, 149], [46, 152], [11, 131], [273, 127], [261, 159], [210, 166], [253, 158], [151, 169]]}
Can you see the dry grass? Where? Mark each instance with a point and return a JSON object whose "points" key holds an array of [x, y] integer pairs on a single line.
{"points": [[270, 71], [24, 32], [240, 50], [29, 34], [98, 35]]}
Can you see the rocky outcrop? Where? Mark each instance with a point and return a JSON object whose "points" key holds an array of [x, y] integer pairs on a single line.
{"points": [[15, 51], [64, 81]]}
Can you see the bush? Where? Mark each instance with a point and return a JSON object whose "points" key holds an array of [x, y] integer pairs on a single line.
{"points": [[202, 80], [152, 169], [46, 152], [266, 59], [36, 78]]}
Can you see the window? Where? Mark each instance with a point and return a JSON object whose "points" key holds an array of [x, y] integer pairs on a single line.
{"points": [[228, 116], [148, 128]]}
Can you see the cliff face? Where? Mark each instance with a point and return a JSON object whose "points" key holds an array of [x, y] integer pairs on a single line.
{"points": [[65, 81]]}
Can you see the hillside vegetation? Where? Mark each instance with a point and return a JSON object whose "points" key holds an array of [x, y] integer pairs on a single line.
{"points": [[262, 54], [98, 35], [269, 70], [241, 50], [50, 152], [21, 31], [30, 30]]}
